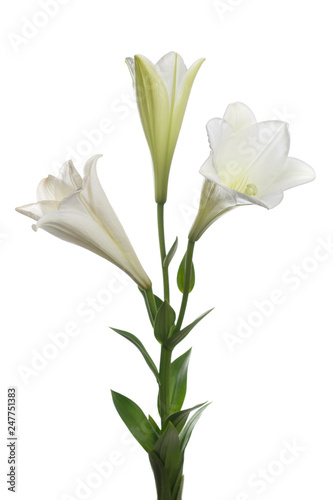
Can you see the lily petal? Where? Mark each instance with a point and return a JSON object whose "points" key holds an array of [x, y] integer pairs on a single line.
{"points": [[270, 151], [255, 155], [271, 199], [295, 173], [37, 210], [95, 196], [154, 107], [248, 165], [70, 175], [162, 92], [208, 170], [74, 220], [172, 70], [56, 188], [214, 202], [239, 116], [130, 64], [219, 132], [85, 217]]}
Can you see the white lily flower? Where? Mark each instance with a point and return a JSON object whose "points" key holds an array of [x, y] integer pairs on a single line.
{"points": [[248, 164], [78, 211], [162, 92]]}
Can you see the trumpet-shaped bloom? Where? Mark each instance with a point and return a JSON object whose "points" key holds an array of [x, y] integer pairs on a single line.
{"points": [[78, 211], [248, 165], [162, 92]]}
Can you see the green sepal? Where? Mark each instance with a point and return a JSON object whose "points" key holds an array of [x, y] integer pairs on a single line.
{"points": [[185, 434], [178, 381], [134, 340], [181, 275], [171, 253], [167, 447], [179, 418], [179, 336], [135, 420], [164, 321]]}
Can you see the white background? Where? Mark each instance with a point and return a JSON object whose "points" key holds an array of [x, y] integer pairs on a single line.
{"points": [[274, 386]]}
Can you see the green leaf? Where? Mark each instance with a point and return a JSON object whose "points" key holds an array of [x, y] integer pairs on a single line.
{"points": [[179, 418], [178, 488], [171, 253], [178, 381], [167, 447], [165, 319], [163, 486], [154, 425], [187, 430], [181, 275], [167, 463], [134, 340], [179, 336], [150, 314], [158, 302], [135, 420]]}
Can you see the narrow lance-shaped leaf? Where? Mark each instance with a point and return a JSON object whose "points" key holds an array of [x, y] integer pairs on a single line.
{"points": [[165, 319], [154, 424], [134, 340], [167, 448], [179, 418], [150, 312], [162, 481], [158, 303], [187, 430], [179, 336], [180, 489], [178, 483], [178, 381], [171, 253], [181, 275], [135, 420]]}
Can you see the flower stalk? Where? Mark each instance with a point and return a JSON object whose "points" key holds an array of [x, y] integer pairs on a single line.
{"points": [[161, 238], [164, 394]]}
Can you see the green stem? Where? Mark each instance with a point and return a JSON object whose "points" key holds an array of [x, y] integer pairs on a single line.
{"points": [[165, 360], [187, 282], [164, 394], [161, 237]]}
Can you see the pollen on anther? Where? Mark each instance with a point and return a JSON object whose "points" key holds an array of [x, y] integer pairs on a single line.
{"points": [[251, 190]]}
